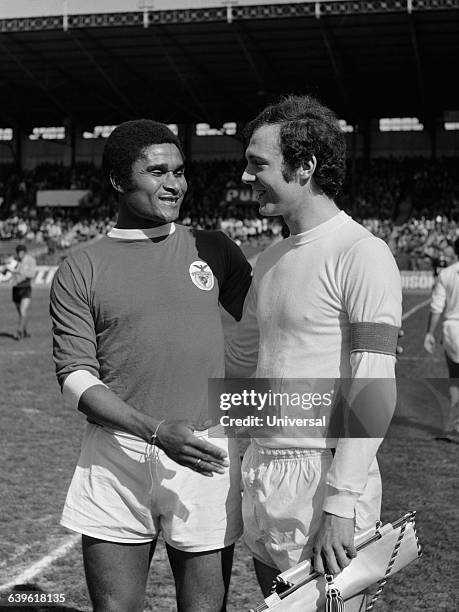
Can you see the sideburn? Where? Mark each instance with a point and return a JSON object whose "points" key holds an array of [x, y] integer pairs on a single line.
{"points": [[288, 172]]}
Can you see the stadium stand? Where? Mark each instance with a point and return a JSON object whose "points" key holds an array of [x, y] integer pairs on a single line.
{"points": [[411, 203]]}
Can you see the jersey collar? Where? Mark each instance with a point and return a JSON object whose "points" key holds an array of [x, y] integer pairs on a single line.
{"points": [[142, 234]]}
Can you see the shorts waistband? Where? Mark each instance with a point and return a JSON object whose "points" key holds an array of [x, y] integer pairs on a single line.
{"points": [[290, 452], [124, 439], [138, 444]]}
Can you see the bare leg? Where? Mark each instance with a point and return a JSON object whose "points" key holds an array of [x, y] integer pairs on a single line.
{"points": [[116, 574], [201, 579], [265, 576], [22, 324], [18, 335], [453, 417]]}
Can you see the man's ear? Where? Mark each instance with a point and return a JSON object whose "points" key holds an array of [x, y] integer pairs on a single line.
{"points": [[307, 170], [116, 183]]}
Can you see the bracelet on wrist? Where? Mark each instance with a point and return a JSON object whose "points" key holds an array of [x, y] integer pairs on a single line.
{"points": [[154, 437]]}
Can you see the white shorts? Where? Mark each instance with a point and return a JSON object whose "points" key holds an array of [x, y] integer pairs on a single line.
{"points": [[125, 490], [282, 502]]}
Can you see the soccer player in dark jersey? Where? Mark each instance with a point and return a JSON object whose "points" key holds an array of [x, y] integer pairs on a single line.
{"points": [[137, 334], [22, 289]]}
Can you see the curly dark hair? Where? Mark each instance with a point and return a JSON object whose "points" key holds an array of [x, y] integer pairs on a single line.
{"points": [[307, 128], [127, 142]]}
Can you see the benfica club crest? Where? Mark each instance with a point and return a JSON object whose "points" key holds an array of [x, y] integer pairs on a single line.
{"points": [[201, 275]]}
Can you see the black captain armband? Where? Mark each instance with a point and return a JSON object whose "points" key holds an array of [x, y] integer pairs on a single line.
{"points": [[374, 338]]}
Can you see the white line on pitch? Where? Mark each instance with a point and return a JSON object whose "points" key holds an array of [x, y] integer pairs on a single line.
{"points": [[39, 566], [415, 309]]}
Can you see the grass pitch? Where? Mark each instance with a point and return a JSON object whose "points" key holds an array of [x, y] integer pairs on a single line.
{"points": [[40, 445]]}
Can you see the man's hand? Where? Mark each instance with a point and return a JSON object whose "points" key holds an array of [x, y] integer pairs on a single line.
{"points": [[334, 544], [176, 439], [429, 342]]}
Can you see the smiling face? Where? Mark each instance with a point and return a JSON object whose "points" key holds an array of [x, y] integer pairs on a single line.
{"points": [[266, 175], [155, 190]]}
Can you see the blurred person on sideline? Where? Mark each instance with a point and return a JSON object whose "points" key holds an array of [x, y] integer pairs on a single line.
{"points": [[137, 334], [445, 301], [325, 303], [23, 274]]}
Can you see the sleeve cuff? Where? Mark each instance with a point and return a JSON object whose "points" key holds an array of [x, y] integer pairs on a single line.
{"points": [[341, 503], [76, 384]]}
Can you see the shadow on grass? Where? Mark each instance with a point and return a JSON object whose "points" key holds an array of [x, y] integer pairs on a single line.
{"points": [[4, 334], [32, 589]]}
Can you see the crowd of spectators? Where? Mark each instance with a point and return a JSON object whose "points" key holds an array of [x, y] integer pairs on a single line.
{"points": [[411, 203], [418, 244]]}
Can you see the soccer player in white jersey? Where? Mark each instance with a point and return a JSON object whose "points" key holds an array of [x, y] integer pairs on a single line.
{"points": [[445, 300], [137, 334], [324, 303]]}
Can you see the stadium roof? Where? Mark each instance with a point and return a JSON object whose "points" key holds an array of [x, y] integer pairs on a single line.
{"points": [[224, 60]]}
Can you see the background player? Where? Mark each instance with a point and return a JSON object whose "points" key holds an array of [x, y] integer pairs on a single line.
{"points": [[22, 288], [445, 300]]}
